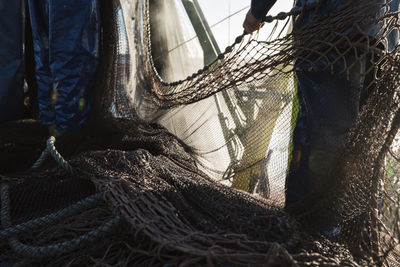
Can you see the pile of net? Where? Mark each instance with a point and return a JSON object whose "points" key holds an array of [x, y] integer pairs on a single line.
{"points": [[129, 191]]}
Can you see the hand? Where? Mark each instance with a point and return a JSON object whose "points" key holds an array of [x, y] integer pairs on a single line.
{"points": [[251, 23]]}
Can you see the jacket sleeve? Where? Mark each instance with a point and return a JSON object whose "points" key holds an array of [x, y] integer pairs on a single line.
{"points": [[260, 8]]}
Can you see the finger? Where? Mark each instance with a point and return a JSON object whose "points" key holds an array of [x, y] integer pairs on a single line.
{"points": [[248, 30]]}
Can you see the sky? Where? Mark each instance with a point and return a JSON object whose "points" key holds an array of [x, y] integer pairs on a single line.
{"points": [[226, 31]]}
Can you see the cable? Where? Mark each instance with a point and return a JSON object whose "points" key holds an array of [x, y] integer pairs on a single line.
{"points": [[195, 37], [229, 22]]}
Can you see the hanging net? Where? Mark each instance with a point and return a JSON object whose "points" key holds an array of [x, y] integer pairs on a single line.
{"points": [[190, 165]]}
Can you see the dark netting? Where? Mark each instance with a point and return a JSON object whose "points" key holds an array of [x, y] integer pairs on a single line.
{"points": [[194, 172]]}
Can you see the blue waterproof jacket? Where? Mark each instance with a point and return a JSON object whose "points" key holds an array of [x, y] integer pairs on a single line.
{"points": [[11, 59], [66, 48]]}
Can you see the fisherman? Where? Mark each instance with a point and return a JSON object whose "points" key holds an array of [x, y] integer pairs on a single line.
{"points": [[66, 50], [328, 103], [11, 60]]}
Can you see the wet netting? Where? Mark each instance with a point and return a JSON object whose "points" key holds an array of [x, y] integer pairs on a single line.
{"points": [[192, 171]]}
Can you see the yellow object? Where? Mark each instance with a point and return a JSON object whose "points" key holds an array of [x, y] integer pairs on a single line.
{"points": [[261, 130], [258, 140]]}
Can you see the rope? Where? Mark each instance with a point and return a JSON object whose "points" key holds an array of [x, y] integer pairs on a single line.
{"points": [[51, 150], [51, 218], [40, 252], [5, 209], [41, 159]]}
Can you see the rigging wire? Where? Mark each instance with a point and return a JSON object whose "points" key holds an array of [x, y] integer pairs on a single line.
{"points": [[229, 22], [212, 26]]}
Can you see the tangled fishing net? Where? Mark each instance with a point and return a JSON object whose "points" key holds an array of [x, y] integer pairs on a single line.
{"points": [[153, 181]]}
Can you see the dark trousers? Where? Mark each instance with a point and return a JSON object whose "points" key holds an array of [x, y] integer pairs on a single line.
{"points": [[66, 50], [329, 104]]}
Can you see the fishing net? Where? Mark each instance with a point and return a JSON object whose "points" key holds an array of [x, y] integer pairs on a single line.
{"points": [[192, 171]]}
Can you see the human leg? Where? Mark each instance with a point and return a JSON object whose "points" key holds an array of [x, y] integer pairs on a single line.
{"points": [[39, 14], [74, 48], [329, 104]]}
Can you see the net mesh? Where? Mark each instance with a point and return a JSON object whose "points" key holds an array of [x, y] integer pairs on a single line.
{"points": [[197, 167]]}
